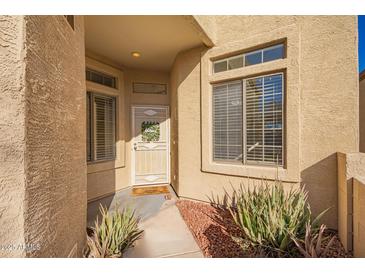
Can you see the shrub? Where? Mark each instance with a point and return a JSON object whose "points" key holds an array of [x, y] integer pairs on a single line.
{"points": [[116, 232], [269, 217], [311, 246]]}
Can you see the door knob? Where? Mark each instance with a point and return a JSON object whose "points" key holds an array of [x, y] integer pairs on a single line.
{"points": [[135, 146]]}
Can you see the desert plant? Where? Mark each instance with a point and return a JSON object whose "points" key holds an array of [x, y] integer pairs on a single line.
{"points": [[269, 216], [312, 245], [117, 231]]}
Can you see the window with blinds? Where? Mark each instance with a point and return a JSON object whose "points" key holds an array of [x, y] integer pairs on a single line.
{"points": [[101, 127], [264, 119], [227, 121], [254, 133]]}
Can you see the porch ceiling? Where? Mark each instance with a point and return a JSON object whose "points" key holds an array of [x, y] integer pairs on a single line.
{"points": [[157, 38]]}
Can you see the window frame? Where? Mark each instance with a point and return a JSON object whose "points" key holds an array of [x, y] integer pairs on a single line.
{"points": [[291, 171], [102, 74], [92, 124], [244, 160], [260, 49]]}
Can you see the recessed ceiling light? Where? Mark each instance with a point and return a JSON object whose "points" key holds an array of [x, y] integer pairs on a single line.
{"points": [[136, 54]]}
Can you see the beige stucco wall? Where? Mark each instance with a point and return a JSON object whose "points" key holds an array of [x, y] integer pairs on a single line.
{"points": [[324, 109], [351, 202], [362, 112], [43, 183], [359, 218], [108, 177], [12, 135], [55, 212]]}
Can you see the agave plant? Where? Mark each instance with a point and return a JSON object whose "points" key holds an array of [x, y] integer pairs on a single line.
{"points": [[116, 232], [312, 246], [269, 216]]}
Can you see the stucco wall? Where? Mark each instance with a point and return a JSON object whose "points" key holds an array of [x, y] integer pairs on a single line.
{"points": [[55, 212], [43, 153], [327, 104], [351, 202], [12, 134], [359, 218], [362, 113]]}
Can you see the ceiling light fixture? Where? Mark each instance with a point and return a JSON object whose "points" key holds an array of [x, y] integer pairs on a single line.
{"points": [[136, 54]]}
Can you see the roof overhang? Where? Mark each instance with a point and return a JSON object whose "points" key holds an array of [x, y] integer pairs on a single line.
{"points": [[157, 38]]}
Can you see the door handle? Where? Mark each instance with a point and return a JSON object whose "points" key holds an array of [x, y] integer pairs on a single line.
{"points": [[135, 146]]}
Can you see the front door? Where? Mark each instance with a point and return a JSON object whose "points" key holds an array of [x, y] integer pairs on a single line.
{"points": [[150, 145]]}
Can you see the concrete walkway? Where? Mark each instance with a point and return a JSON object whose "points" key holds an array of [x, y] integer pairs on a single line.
{"points": [[165, 232]]}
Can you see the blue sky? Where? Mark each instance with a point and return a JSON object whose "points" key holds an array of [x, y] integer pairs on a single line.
{"points": [[361, 23]]}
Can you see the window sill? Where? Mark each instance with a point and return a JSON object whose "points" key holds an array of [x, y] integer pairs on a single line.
{"points": [[269, 172], [93, 167]]}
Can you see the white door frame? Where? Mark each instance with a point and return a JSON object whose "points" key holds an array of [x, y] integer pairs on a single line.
{"points": [[133, 157]]}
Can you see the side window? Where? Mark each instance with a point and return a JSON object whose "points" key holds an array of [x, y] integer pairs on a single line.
{"points": [[101, 127]]}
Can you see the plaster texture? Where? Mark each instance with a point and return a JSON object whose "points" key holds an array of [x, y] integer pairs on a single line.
{"points": [[55, 212], [12, 136], [359, 218], [43, 152], [351, 201]]}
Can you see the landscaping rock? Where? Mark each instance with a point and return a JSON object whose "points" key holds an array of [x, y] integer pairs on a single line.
{"points": [[212, 228]]}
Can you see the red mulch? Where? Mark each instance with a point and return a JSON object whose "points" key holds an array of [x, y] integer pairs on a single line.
{"points": [[213, 227]]}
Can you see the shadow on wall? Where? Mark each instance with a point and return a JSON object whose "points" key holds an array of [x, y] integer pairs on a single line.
{"points": [[320, 181], [101, 182], [182, 73]]}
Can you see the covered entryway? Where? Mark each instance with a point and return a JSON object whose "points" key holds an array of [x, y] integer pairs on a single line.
{"points": [[129, 60]]}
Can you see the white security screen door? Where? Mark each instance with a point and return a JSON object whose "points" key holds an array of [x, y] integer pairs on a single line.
{"points": [[150, 145]]}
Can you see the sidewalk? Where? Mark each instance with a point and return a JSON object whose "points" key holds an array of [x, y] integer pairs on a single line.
{"points": [[165, 232]]}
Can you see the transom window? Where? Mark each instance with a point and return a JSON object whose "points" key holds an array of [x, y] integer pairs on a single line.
{"points": [[100, 127], [248, 120], [101, 78], [249, 58]]}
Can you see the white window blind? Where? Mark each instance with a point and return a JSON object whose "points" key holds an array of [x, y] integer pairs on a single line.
{"points": [[227, 125], [102, 127], [253, 133], [264, 119]]}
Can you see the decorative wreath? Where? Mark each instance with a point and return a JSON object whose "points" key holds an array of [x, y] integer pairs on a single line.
{"points": [[150, 131]]}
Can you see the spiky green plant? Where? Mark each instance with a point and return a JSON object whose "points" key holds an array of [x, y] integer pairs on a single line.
{"points": [[269, 216], [117, 231], [312, 245]]}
